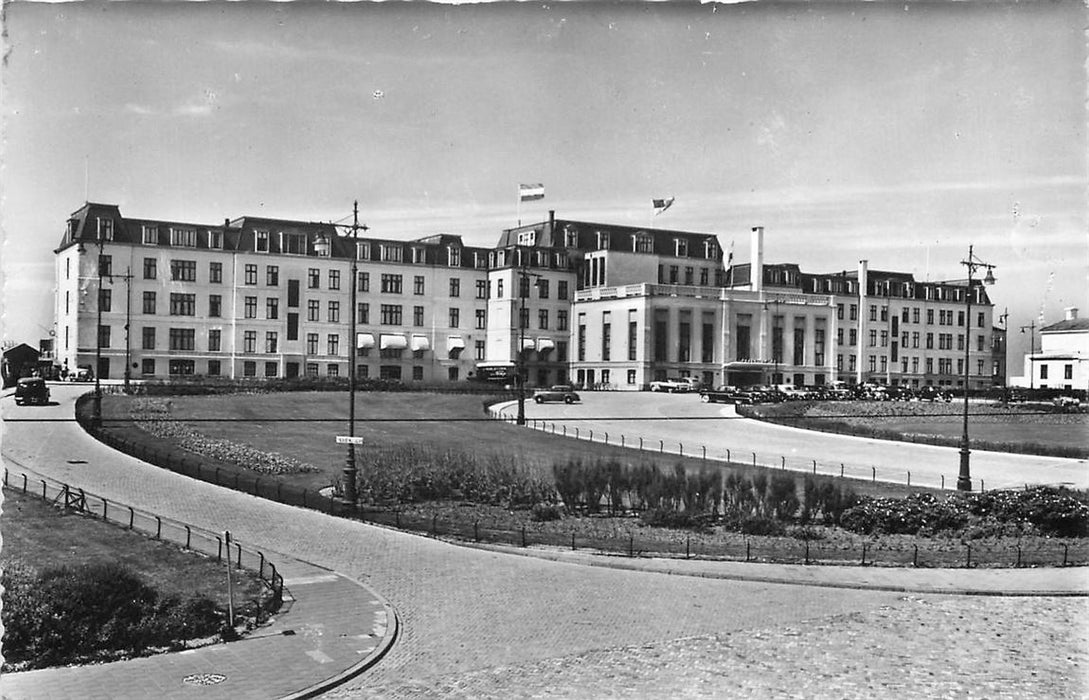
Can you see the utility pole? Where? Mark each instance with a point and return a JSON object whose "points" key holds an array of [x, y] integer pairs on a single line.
{"points": [[351, 493], [964, 478], [1032, 351]]}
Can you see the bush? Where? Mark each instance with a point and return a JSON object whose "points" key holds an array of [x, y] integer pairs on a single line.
{"points": [[545, 512], [66, 615], [761, 525]]}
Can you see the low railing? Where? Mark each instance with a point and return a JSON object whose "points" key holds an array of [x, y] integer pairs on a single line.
{"points": [[191, 537]]}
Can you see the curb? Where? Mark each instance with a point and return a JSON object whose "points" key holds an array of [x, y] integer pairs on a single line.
{"points": [[393, 631]]}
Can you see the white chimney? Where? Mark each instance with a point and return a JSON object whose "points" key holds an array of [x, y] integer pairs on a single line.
{"points": [[1071, 313], [756, 273]]}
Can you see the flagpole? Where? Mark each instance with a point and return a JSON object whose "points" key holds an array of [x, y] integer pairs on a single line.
{"points": [[519, 205]]}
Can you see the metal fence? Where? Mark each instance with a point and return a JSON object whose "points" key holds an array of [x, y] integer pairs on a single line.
{"points": [[191, 537]]}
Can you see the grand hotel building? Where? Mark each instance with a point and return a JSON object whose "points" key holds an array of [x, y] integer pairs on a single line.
{"points": [[593, 304]]}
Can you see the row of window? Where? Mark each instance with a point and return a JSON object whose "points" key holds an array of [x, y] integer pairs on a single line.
{"points": [[911, 315], [880, 363]]}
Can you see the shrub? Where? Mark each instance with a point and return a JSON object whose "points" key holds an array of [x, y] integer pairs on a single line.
{"points": [[544, 512], [806, 533], [68, 615], [761, 525]]}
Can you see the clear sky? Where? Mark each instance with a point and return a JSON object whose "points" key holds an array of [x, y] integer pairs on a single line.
{"points": [[899, 133]]}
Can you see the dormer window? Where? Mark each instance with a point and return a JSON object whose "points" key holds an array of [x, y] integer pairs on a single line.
{"points": [[293, 243], [602, 240], [571, 237], [419, 255], [105, 229], [391, 252], [150, 234], [453, 256], [183, 237], [480, 260], [260, 241], [322, 246], [215, 239], [362, 251], [527, 237], [642, 242], [710, 250], [680, 247]]}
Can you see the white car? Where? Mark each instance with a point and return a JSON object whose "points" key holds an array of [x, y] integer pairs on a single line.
{"points": [[671, 386]]}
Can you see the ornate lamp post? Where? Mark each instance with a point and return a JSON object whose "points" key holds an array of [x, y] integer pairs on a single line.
{"points": [[96, 405], [350, 473], [964, 478]]}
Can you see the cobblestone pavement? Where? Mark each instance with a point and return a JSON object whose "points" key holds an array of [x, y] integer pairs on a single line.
{"points": [[479, 623]]}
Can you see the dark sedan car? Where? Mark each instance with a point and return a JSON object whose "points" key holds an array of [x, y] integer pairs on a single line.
{"points": [[560, 392], [31, 390]]}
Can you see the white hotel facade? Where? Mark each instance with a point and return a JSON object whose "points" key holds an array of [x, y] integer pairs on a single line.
{"points": [[587, 303]]}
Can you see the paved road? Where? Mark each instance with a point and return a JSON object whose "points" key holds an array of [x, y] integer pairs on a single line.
{"points": [[478, 623], [671, 421]]}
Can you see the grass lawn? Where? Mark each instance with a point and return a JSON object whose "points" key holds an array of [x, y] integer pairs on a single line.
{"points": [[304, 425], [42, 536]]}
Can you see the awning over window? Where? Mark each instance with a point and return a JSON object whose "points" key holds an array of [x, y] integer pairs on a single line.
{"points": [[529, 344], [420, 342], [544, 345], [393, 342], [364, 340], [454, 345]]}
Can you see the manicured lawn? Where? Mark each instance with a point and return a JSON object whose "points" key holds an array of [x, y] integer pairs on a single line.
{"points": [[304, 426], [42, 536]]}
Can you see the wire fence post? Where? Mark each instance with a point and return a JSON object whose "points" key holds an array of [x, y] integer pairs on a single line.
{"points": [[874, 473], [841, 468], [188, 536], [132, 516], [158, 527], [814, 466], [105, 510]]}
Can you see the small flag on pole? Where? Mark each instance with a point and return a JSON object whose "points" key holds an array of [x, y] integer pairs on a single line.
{"points": [[730, 259], [528, 193], [662, 204]]}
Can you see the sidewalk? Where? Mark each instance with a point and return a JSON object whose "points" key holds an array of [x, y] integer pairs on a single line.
{"points": [[330, 629]]}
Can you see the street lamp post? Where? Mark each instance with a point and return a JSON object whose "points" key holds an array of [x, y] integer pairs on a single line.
{"points": [[523, 321], [964, 478], [96, 404], [1032, 349], [351, 493]]}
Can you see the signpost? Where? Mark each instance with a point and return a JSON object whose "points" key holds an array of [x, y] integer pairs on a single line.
{"points": [[346, 440]]}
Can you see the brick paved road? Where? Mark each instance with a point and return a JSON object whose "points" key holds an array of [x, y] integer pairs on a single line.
{"points": [[479, 623]]}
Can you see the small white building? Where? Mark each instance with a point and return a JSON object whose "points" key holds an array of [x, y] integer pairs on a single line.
{"points": [[1063, 359]]}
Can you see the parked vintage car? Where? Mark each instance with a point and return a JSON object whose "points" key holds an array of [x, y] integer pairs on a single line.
{"points": [[726, 394], [932, 393], [672, 386], [31, 390], [560, 392], [82, 373]]}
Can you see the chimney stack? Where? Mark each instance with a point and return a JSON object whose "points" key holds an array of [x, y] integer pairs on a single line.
{"points": [[1071, 313], [756, 274]]}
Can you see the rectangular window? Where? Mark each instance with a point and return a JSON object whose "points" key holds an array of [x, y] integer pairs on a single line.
{"points": [[839, 336], [391, 253], [186, 367], [272, 308], [183, 304], [150, 269], [215, 305], [214, 368], [183, 237], [479, 350], [292, 326], [481, 319], [147, 366], [183, 338], [334, 279], [215, 340], [417, 285], [930, 317], [148, 338], [873, 338], [523, 318], [251, 307], [270, 341], [417, 316], [482, 289], [561, 289], [249, 341], [364, 282], [499, 289], [333, 343], [455, 317], [334, 312], [392, 284], [633, 341], [313, 310], [270, 369], [215, 272], [929, 341], [249, 368], [915, 314], [455, 287], [904, 316], [311, 343], [251, 274], [542, 319], [313, 278], [293, 293], [884, 314], [979, 320], [149, 302], [260, 241], [581, 340], [852, 336], [818, 346], [390, 314], [1043, 371], [272, 275], [854, 312], [839, 311], [149, 235], [960, 318], [606, 341], [542, 289], [183, 270], [839, 363], [215, 240], [743, 341], [561, 319]]}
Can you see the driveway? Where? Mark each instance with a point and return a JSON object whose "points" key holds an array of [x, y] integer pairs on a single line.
{"points": [[670, 423]]}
